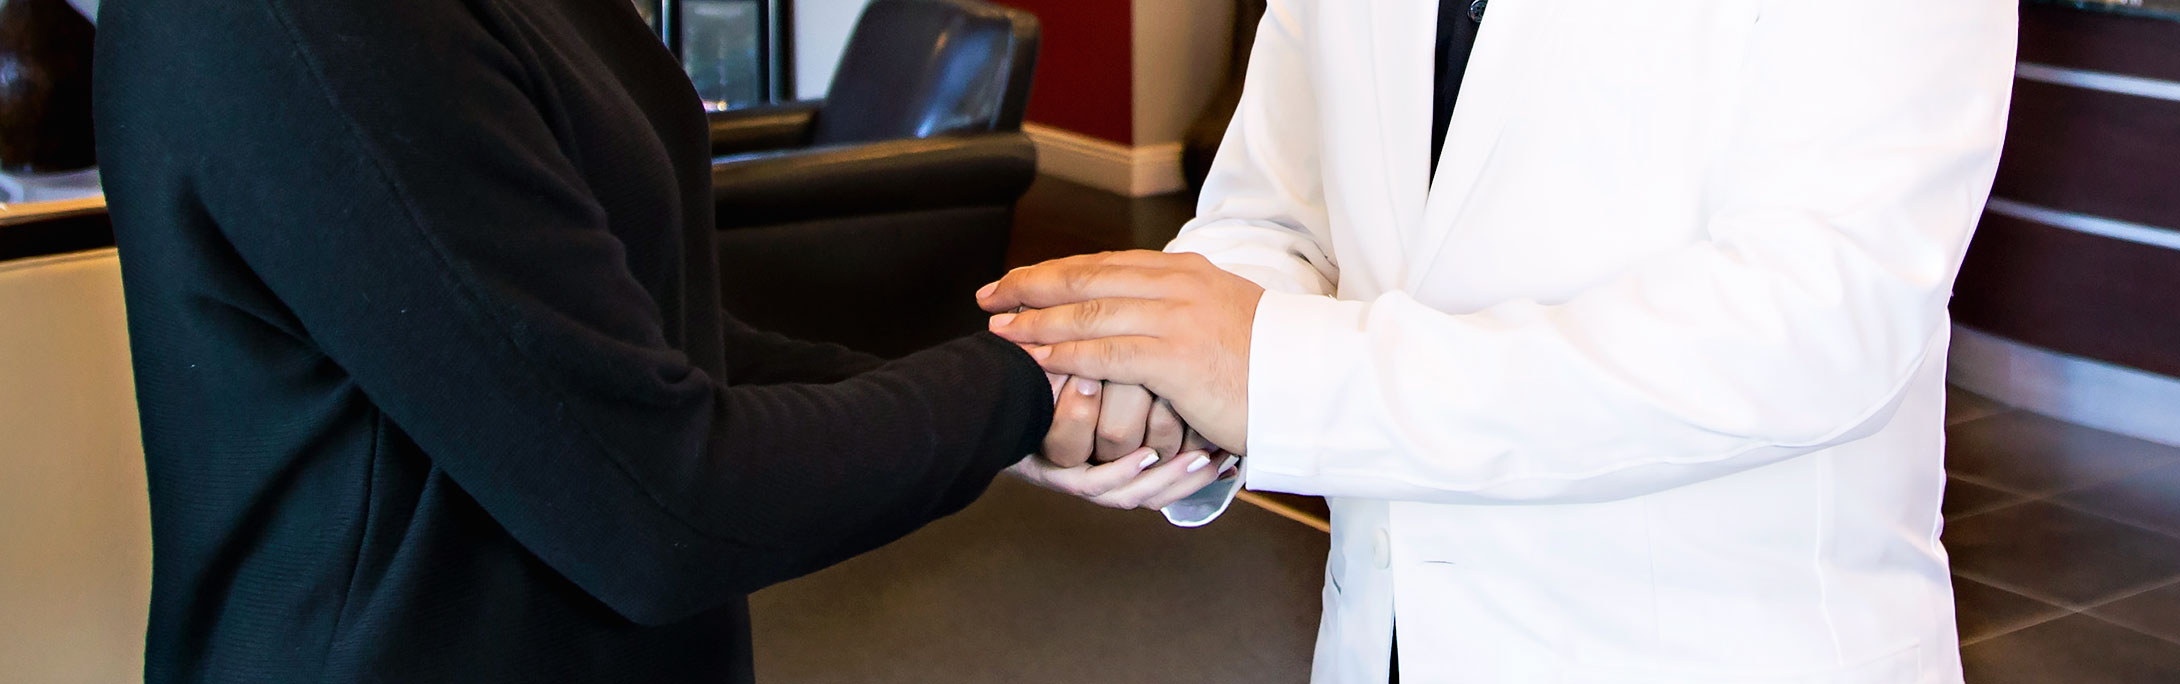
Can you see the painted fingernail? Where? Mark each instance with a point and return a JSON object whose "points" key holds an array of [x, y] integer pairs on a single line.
{"points": [[1087, 388], [987, 290], [1001, 320], [1202, 459], [1148, 461], [1040, 353], [1231, 463]]}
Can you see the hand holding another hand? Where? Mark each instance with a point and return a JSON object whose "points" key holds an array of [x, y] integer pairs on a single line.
{"points": [[1172, 323], [1119, 447]]}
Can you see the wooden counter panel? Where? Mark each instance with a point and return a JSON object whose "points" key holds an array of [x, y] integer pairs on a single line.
{"points": [[56, 235], [2074, 293], [2093, 152], [2071, 38]]}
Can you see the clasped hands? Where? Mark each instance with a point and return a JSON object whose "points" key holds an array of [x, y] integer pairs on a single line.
{"points": [[1149, 357]]}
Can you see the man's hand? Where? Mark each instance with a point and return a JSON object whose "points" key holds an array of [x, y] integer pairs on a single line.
{"points": [[1173, 323]]}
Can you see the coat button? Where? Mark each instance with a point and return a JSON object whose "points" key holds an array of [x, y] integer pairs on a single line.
{"points": [[1476, 10], [1381, 550]]}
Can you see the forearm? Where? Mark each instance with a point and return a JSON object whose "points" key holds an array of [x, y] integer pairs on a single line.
{"points": [[763, 357]]}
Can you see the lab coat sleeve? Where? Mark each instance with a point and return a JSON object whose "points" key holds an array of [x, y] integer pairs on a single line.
{"points": [[1262, 212], [1866, 145]]}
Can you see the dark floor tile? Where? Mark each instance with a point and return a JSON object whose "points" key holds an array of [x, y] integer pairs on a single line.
{"points": [[2077, 649], [2156, 612], [1962, 406], [2150, 499], [2060, 554], [2025, 452], [1984, 611], [1058, 218], [1032, 586], [1968, 498]]}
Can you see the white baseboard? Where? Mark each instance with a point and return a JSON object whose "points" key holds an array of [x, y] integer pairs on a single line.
{"points": [[2082, 391], [1107, 165]]}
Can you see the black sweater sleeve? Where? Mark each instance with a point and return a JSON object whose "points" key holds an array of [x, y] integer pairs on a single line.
{"points": [[763, 357], [393, 179]]}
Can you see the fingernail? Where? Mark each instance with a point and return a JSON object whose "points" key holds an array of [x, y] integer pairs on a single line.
{"points": [[1001, 320], [1087, 388], [1202, 460], [1231, 463], [987, 290], [1040, 353], [1147, 462]]}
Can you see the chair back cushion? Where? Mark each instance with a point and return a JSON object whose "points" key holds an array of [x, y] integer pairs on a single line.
{"points": [[920, 68]]}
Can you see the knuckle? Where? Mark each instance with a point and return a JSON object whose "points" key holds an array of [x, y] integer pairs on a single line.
{"points": [[1115, 354], [1088, 313], [1078, 279], [1082, 412], [1113, 435]]}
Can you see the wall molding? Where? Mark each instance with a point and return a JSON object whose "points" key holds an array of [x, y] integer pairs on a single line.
{"points": [[1107, 165], [2082, 391]]}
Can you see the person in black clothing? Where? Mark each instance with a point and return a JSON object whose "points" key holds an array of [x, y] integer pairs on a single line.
{"points": [[434, 380]]}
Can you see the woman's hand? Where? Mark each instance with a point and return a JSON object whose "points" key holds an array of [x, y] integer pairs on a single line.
{"points": [[1139, 480], [1107, 441], [1101, 422]]}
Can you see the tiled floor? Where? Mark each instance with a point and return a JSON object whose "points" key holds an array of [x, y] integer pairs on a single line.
{"points": [[2066, 549], [2065, 543]]}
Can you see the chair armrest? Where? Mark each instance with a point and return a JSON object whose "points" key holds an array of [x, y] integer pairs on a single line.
{"points": [[883, 177], [757, 129]]}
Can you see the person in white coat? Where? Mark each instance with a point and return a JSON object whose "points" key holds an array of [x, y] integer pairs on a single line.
{"points": [[1646, 385]]}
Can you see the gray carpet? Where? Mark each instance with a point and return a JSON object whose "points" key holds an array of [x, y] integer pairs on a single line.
{"points": [[1031, 586]]}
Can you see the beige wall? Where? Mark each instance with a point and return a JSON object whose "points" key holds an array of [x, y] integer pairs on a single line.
{"points": [[1180, 57], [821, 31]]}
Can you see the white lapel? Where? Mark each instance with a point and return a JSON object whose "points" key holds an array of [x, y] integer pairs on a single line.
{"points": [[1402, 33], [1490, 92]]}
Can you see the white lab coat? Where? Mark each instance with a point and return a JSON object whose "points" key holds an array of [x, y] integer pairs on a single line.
{"points": [[1647, 384]]}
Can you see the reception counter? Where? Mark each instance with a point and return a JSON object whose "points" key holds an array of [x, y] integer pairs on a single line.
{"points": [[32, 229], [2073, 281]]}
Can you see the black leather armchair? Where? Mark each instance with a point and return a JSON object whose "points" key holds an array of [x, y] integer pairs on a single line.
{"points": [[870, 218]]}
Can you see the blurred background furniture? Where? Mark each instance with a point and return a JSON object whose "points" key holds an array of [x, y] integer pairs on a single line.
{"points": [[46, 144], [869, 218], [75, 549], [45, 87], [2066, 302]]}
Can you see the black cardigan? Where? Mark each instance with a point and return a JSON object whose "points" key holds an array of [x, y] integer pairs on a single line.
{"points": [[435, 385]]}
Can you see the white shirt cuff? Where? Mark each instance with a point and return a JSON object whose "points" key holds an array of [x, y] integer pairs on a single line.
{"points": [[1206, 504]]}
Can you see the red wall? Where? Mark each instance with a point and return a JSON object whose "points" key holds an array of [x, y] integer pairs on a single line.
{"points": [[1085, 69]]}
